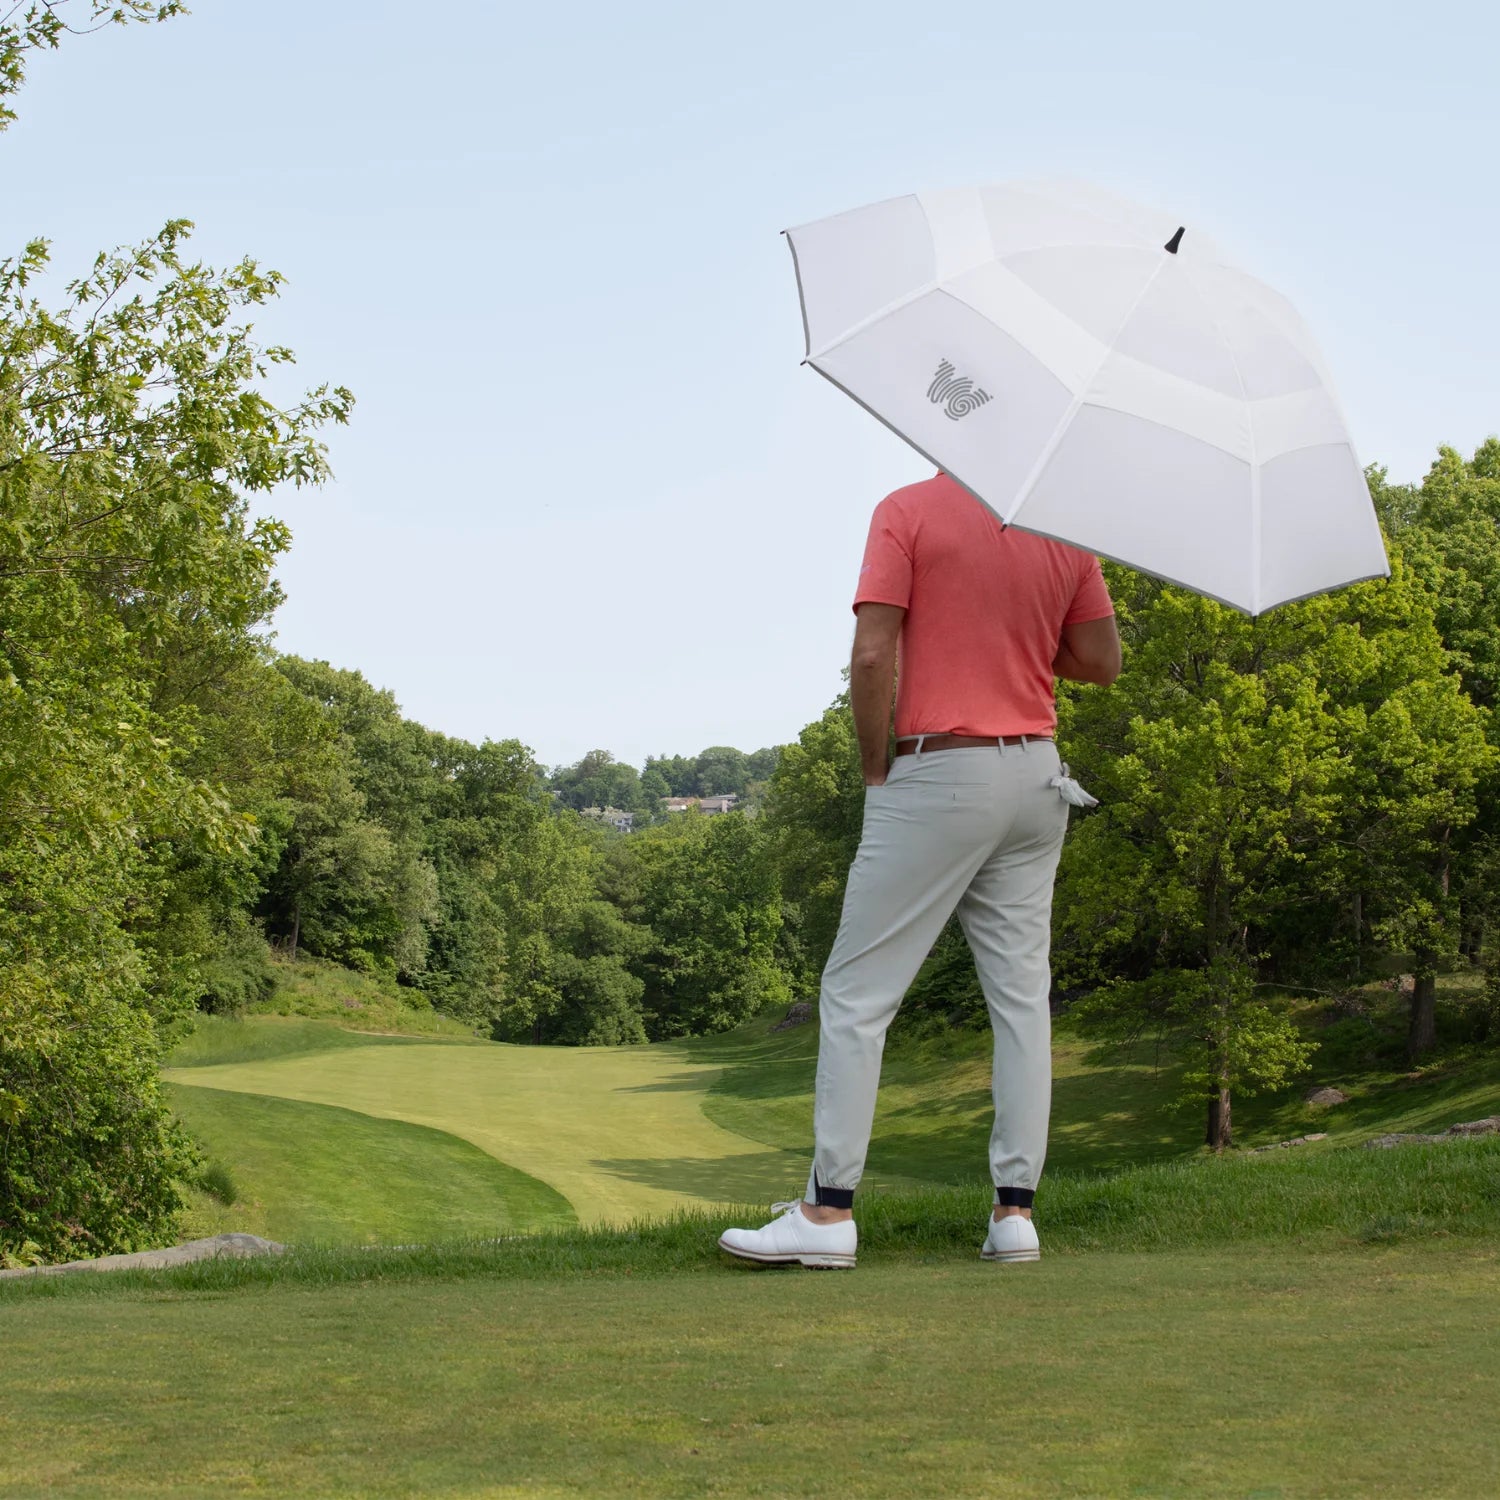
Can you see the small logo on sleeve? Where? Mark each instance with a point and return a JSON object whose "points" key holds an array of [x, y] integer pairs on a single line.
{"points": [[955, 393]]}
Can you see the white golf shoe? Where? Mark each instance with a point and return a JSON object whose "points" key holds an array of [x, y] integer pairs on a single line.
{"points": [[1012, 1238], [793, 1239]]}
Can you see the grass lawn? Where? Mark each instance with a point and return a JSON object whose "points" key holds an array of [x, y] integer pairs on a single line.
{"points": [[932, 1121], [313, 1173], [617, 1131], [633, 1132], [1268, 1372], [629, 1132]]}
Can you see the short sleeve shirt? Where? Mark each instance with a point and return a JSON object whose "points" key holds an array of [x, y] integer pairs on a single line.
{"points": [[985, 606]]}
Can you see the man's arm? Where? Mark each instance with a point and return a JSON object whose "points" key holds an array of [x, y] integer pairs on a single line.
{"points": [[872, 681], [1089, 652]]}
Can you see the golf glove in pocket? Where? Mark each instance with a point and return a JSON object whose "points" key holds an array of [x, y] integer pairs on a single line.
{"points": [[1071, 793]]}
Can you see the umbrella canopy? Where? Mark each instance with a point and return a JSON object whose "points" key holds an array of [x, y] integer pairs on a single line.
{"points": [[1095, 373]]}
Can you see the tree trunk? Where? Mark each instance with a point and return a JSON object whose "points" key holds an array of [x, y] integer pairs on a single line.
{"points": [[1421, 1032], [1219, 1132], [1471, 939], [296, 930]]}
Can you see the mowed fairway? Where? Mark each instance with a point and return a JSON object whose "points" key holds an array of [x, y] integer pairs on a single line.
{"points": [[310, 1173], [620, 1132], [1274, 1373]]}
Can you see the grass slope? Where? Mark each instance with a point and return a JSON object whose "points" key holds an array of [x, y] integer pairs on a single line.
{"points": [[310, 1172], [314, 988], [617, 1131], [932, 1121], [259, 1038], [626, 1133], [1174, 1375]]}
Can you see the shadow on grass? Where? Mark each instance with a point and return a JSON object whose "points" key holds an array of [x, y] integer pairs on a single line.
{"points": [[678, 1083], [756, 1177]]}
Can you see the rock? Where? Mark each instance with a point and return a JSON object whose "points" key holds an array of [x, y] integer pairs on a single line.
{"points": [[1490, 1125], [1301, 1140], [1326, 1096], [799, 1013], [235, 1246]]}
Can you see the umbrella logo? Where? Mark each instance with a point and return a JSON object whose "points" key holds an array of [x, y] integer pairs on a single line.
{"points": [[955, 393]]}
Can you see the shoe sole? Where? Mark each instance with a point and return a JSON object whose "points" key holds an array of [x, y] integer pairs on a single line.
{"points": [[812, 1262], [1010, 1256]]}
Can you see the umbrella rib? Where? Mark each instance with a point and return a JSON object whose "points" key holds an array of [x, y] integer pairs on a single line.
{"points": [[1060, 431], [1239, 375]]}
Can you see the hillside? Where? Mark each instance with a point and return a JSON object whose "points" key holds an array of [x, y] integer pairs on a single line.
{"points": [[331, 1133]]}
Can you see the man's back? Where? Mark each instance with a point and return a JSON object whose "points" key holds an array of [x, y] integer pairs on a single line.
{"points": [[985, 605]]}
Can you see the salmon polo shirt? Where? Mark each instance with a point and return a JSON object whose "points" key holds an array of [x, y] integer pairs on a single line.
{"points": [[985, 607]]}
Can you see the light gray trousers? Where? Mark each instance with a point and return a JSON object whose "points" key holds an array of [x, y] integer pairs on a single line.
{"points": [[977, 829]]}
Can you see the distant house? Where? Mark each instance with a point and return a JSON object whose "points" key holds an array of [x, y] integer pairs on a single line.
{"points": [[678, 804], [718, 804], [624, 821]]}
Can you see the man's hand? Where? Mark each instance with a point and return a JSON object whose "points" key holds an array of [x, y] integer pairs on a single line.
{"points": [[872, 681], [1089, 652]]}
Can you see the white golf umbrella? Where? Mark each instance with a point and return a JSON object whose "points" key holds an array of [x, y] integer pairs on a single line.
{"points": [[1095, 373]]}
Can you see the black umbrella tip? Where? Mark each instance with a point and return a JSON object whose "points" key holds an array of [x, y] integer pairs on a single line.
{"points": [[1175, 241]]}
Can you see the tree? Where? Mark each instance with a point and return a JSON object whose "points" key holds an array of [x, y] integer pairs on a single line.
{"points": [[813, 816], [679, 772], [132, 432], [44, 23], [708, 893], [599, 780], [1253, 773], [723, 770], [354, 866], [1448, 530]]}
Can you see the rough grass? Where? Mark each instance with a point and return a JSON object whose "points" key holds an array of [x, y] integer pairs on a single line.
{"points": [[314, 989], [311, 1173], [256, 1038], [932, 1121], [1186, 1374], [1280, 1201]]}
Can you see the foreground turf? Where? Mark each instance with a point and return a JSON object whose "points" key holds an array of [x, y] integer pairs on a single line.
{"points": [[310, 1173], [1316, 1201], [1366, 1371]]}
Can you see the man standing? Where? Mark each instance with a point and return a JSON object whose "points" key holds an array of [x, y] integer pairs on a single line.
{"points": [[966, 817]]}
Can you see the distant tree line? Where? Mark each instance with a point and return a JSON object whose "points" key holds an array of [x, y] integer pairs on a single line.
{"points": [[600, 781]]}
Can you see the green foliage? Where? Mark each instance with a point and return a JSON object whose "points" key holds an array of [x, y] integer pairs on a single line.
{"points": [[1257, 776], [708, 889], [713, 772], [29, 27], [813, 816], [599, 780], [240, 974], [133, 429]]}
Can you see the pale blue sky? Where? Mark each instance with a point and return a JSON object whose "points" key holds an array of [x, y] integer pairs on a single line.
{"points": [[588, 496]]}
